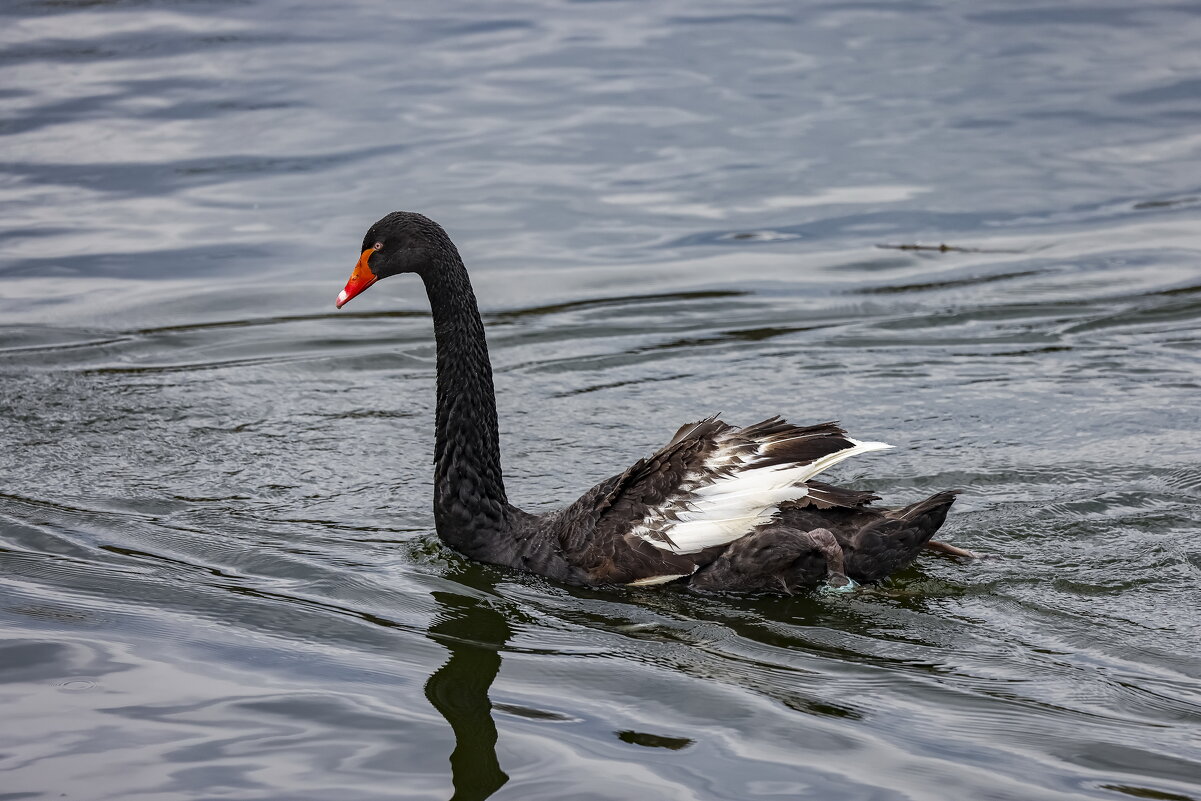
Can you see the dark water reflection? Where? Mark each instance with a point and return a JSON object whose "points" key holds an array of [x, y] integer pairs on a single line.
{"points": [[475, 633], [218, 576]]}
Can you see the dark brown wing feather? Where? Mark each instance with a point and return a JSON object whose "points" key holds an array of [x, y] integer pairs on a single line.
{"points": [[827, 496], [650, 482], [594, 531]]}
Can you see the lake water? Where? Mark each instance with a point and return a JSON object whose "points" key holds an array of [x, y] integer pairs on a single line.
{"points": [[218, 573]]}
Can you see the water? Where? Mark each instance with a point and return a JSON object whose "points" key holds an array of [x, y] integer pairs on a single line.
{"points": [[218, 577]]}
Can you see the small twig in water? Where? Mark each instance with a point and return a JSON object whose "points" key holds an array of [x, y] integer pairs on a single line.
{"points": [[944, 249]]}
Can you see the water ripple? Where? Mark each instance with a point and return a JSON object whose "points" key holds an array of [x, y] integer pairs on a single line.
{"points": [[972, 234]]}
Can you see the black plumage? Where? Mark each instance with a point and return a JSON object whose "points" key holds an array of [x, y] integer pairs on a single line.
{"points": [[721, 507]]}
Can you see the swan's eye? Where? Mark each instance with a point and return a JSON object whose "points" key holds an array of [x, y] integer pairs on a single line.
{"points": [[378, 245]]}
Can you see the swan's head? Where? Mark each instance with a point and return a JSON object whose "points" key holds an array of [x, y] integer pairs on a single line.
{"points": [[402, 242]]}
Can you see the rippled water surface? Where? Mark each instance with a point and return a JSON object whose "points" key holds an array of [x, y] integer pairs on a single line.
{"points": [[218, 574]]}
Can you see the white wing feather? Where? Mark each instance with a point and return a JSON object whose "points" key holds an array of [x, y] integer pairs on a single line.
{"points": [[722, 510]]}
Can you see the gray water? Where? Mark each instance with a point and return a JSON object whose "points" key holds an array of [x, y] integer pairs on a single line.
{"points": [[218, 573]]}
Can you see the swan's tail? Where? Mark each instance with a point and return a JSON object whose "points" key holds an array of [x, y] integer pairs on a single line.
{"points": [[893, 541]]}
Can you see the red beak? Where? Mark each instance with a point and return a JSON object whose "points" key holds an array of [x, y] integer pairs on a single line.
{"points": [[360, 279]]}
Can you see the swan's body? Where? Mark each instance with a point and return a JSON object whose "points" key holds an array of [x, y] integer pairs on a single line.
{"points": [[718, 506]]}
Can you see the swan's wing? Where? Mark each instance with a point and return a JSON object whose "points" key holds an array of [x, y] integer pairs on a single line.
{"points": [[652, 483], [741, 482], [710, 485], [593, 531]]}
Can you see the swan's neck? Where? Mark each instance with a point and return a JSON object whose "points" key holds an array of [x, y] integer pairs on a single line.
{"points": [[469, 492]]}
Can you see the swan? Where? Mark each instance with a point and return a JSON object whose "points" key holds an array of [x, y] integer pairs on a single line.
{"points": [[719, 507]]}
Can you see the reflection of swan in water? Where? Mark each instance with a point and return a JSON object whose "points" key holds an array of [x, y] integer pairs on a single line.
{"points": [[474, 633]]}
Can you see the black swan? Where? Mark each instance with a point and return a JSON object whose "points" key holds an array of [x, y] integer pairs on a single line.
{"points": [[718, 507]]}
